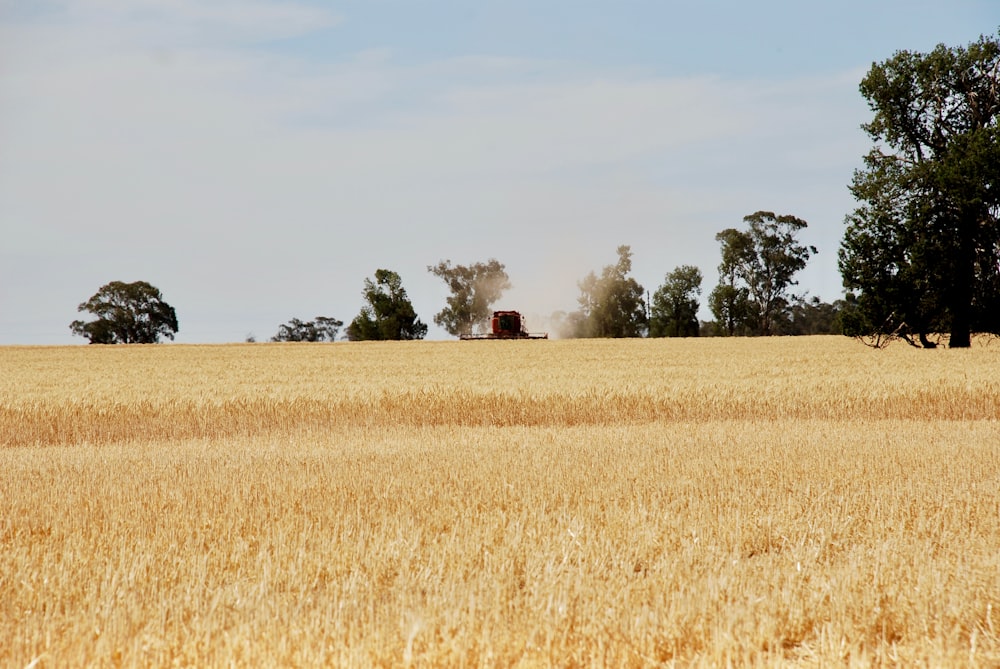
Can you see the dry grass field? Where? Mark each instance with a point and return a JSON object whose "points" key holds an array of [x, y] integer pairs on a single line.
{"points": [[749, 502]]}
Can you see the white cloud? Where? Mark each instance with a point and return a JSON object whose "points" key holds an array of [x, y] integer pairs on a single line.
{"points": [[256, 187]]}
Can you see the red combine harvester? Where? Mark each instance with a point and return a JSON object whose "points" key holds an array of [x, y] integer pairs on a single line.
{"points": [[507, 325]]}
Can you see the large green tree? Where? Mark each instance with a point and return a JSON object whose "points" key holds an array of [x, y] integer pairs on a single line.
{"points": [[921, 253], [474, 289], [757, 270], [126, 313], [674, 311], [611, 305], [388, 313]]}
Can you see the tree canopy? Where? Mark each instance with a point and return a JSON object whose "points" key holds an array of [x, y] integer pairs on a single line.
{"points": [[388, 313], [814, 317], [921, 253], [474, 289], [757, 269], [729, 301], [674, 311], [322, 328], [611, 305], [127, 313]]}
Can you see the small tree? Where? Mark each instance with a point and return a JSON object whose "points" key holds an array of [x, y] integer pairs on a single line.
{"points": [[730, 301], [322, 328], [730, 304], [474, 290], [127, 313], [611, 305], [388, 314], [675, 304], [762, 261]]}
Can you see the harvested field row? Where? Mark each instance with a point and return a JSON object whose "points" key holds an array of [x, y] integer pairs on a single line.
{"points": [[99, 395], [89, 423]]}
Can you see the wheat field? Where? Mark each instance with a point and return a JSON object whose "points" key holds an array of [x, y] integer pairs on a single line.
{"points": [[719, 502]]}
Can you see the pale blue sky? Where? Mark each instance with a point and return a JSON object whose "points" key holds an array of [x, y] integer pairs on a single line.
{"points": [[257, 159]]}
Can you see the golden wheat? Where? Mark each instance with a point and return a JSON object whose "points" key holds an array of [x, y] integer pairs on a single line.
{"points": [[101, 395], [632, 503]]}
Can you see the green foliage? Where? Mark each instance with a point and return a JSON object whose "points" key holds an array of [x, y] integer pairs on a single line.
{"points": [[675, 304], [322, 328], [756, 272], [922, 251], [730, 304], [474, 290], [813, 317], [388, 314], [611, 305], [729, 301], [127, 313]]}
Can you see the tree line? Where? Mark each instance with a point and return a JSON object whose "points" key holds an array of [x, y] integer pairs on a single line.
{"points": [[920, 256], [752, 298]]}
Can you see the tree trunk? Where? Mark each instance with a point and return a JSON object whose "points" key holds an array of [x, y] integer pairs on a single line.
{"points": [[961, 336], [963, 288]]}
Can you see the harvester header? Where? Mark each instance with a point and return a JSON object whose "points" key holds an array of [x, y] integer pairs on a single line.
{"points": [[507, 325]]}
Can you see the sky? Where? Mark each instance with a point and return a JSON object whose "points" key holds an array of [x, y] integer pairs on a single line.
{"points": [[257, 160]]}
